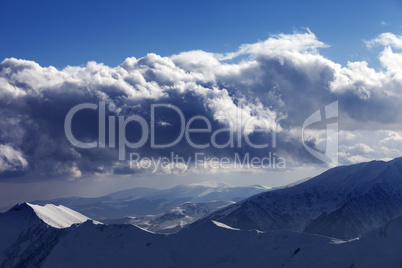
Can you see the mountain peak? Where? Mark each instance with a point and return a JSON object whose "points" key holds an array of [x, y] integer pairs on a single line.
{"points": [[54, 216]]}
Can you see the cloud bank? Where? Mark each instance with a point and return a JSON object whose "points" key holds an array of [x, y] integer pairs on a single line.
{"points": [[281, 80]]}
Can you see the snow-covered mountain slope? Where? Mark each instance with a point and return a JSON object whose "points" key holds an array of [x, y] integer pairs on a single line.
{"points": [[209, 245], [28, 232], [144, 201], [343, 202], [14, 222], [175, 219], [58, 216], [216, 245]]}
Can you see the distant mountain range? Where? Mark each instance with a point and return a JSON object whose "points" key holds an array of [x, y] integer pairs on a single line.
{"points": [[173, 220], [162, 211], [138, 202]]}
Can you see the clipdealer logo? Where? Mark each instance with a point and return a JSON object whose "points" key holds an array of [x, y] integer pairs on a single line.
{"points": [[330, 156], [148, 132], [234, 126]]}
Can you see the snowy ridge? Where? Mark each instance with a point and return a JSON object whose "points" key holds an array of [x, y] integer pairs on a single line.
{"points": [[59, 216], [138, 202], [222, 225]]}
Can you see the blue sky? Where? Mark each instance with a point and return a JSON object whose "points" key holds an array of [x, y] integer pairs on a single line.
{"points": [[61, 33]]}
